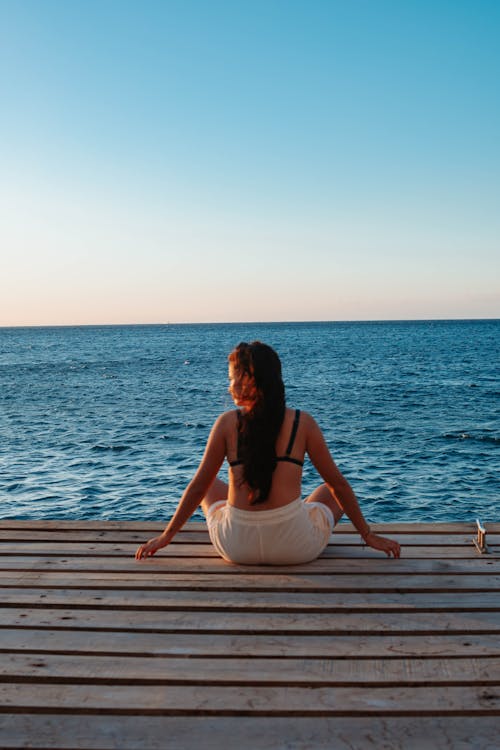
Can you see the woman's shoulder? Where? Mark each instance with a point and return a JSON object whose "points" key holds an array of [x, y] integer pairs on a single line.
{"points": [[224, 425], [227, 418]]}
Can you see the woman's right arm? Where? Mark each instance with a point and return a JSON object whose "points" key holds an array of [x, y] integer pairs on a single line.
{"points": [[341, 490]]}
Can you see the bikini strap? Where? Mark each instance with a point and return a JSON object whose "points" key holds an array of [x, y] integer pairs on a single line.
{"points": [[294, 432], [238, 460]]}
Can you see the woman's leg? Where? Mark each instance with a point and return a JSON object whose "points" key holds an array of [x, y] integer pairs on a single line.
{"points": [[323, 495], [218, 490]]}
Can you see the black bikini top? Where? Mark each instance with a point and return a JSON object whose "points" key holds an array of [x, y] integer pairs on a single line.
{"points": [[287, 456]]}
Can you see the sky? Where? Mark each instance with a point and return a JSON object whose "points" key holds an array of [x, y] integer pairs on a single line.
{"points": [[276, 160]]}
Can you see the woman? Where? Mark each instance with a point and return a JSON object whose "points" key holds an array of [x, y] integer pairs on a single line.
{"points": [[260, 517]]}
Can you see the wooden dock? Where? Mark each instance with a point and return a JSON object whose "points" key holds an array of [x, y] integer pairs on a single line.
{"points": [[185, 651]]}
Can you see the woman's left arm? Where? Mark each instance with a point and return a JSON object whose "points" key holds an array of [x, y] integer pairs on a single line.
{"points": [[194, 493]]}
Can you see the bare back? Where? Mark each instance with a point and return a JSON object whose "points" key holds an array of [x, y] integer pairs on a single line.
{"points": [[287, 477]]}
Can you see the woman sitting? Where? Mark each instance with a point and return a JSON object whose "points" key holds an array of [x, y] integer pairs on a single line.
{"points": [[260, 517]]}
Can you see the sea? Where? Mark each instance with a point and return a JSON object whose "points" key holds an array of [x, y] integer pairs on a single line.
{"points": [[110, 422]]}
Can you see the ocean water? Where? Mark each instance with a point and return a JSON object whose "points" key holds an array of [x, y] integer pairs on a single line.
{"points": [[111, 422]]}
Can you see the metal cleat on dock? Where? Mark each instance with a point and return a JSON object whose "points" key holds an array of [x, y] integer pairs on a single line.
{"points": [[480, 540]]}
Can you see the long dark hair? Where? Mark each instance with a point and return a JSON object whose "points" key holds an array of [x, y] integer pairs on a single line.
{"points": [[259, 427]]}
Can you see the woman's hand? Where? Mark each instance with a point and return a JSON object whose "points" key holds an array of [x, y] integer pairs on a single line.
{"points": [[389, 546], [149, 548]]}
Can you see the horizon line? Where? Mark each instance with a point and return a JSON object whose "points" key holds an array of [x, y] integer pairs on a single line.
{"points": [[245, 322]]}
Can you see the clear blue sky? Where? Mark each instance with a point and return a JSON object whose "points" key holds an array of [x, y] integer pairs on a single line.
{"points": [[277, 160]]}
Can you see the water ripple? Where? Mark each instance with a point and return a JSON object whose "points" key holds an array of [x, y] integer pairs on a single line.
{"points": [[115, 448], [472, 436]]}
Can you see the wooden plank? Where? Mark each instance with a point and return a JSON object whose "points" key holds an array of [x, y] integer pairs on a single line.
{"points": [[61, 732], [154, 527], [110, 537], [165, 565], [334, 551], [106, 536], [248, 700], [270, 645], [332, 583], [99, 549], [258, 623], [127, 549], [321, 584], [137, 596], [257, 671], [458, 527], [478, 565]]}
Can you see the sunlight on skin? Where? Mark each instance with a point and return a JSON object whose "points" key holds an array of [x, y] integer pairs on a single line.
{"points": [[244, 393]]}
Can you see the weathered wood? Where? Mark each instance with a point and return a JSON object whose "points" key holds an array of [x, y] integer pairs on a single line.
{"points": [[215, 644], [331, 583], [257, 671], [66, 537], [248, 700], [186, 549], [482, 565], [466, 527], [333, 564], [135, 595], [61, 732], [172, 555], [105, 536], [155, 527], [257, 623], [372, 642]]}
